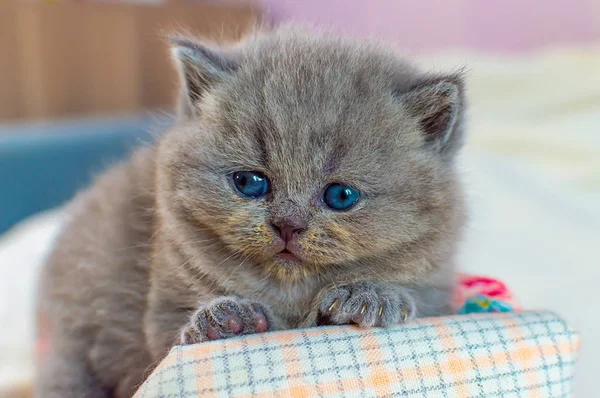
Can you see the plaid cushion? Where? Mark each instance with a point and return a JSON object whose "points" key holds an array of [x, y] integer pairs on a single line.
{"points": [[478, 355]]}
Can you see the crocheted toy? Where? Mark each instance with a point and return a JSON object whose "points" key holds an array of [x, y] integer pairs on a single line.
{"points": [[477, 294]]}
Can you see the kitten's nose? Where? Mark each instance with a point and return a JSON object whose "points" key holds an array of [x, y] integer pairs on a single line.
{"points": [[288, 228]]}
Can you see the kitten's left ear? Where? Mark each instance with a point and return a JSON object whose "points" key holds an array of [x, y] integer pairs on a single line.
{"points": [[438, 105], [200, 68]]}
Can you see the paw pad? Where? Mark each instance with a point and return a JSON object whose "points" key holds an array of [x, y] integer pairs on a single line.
{"points": [[227, 317]]}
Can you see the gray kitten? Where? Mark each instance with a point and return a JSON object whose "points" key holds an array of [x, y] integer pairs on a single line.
{"points": [[309, 180]]}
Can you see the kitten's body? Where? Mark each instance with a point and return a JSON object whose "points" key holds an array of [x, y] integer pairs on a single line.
{"points": [[164, 234]]}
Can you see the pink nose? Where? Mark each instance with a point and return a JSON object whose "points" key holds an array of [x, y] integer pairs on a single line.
{"points": [[288, 228]]}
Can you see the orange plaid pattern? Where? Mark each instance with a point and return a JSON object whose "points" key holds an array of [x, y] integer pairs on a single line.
{"points": [[479, 355]]}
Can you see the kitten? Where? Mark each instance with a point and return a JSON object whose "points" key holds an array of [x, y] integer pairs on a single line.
{"points": [[308, 180]]}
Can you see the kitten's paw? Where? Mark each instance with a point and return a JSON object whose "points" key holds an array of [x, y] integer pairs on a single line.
{"points": [[366, 304], [226, 317]]}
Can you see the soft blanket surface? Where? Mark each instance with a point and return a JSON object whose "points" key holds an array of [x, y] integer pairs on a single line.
{"points": [[482, 355]]}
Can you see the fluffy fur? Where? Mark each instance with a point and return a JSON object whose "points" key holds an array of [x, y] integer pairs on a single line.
{"points": [[162, 251]]}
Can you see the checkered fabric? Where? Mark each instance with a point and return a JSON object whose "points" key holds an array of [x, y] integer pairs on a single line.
{"points": [[478, 355]]}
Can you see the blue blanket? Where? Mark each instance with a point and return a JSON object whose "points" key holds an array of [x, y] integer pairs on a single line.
{"points": [[42, 165]]}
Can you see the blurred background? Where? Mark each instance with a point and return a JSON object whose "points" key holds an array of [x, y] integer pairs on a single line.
{"points": [[84, 82]]}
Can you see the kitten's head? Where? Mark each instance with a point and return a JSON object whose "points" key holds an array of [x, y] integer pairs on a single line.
{"points": [[304, 153]]}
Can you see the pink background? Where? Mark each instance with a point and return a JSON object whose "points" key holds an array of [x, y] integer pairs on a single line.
{"points": [[422, 25]]}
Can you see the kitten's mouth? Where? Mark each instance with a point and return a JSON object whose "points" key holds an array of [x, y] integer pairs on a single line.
{"points": [[285, 254]]}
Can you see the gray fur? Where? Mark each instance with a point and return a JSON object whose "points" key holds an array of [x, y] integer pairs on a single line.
{"points": [[159, 238]]}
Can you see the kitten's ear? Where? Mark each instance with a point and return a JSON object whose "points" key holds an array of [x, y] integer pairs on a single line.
{"points": [[200, 67], [438, 104]]}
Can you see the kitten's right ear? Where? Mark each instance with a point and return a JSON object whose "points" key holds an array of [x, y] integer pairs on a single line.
{"points": [[200, 67]]}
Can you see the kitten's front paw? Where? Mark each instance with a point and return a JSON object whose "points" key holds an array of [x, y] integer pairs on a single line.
{"points": [[226, 317], [366, 304]]}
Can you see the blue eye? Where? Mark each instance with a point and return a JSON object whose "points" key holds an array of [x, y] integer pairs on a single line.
{"points": [[340, 197], [251, 184]]}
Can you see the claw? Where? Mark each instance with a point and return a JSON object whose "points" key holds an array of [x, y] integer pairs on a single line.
{"points": [[188, 338], [380, 310], [363, 308], [404, 315], [332, 306]]}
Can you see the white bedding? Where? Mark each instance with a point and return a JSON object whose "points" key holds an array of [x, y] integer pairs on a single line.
{"points": [[22, 251], [532, 170]]}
